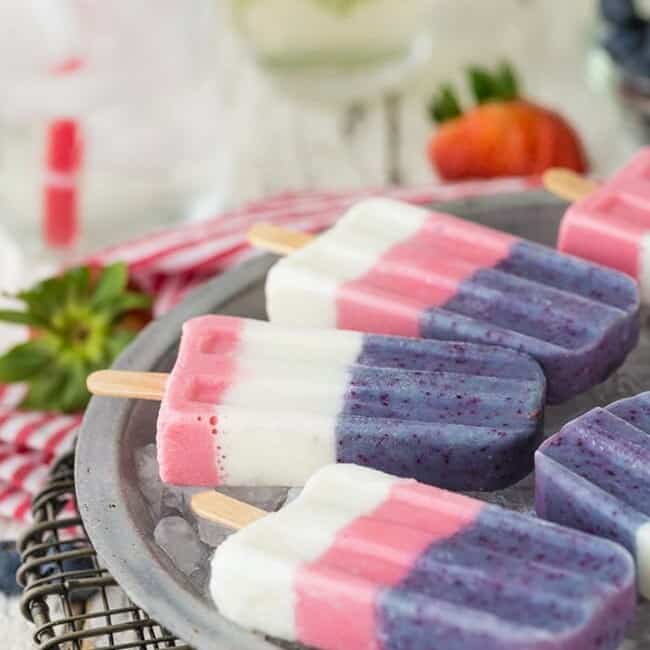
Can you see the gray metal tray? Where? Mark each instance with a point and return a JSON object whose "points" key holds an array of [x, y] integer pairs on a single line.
{"points": [[111, 501]]}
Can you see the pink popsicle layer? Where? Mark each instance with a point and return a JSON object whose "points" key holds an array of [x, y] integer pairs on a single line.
{"points": [[426, 269], [366, 561], [205, 368], [332, 613], [608, 225]]}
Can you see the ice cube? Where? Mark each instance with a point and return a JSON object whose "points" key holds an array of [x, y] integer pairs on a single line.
{"points": [[181, 542], [177, 500], [200, 578], [210, 533], [146, 468], [266, 498], [292, 494]]}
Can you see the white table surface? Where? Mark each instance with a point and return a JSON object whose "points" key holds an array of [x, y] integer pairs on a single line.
{"points": [[278, 142]]}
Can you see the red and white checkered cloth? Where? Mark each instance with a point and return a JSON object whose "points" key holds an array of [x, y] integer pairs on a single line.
{"points": [[168, 264]]}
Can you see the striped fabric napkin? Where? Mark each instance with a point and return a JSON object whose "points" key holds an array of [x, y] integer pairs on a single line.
{"points": [[169, 264]]}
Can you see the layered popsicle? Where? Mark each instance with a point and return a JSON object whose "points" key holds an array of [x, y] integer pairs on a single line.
{"points": [[611, 226], [594, 475], [365, 560], [392, 268], [250, 403]]}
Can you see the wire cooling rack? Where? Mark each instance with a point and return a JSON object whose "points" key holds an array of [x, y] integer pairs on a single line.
{"points": [[72, 600]]}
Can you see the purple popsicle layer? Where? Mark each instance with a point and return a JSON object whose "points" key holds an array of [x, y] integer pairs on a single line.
{"points": [[251, 403], [594, 475], [452, 414], [508, 567], [578, 320], [367, 560], [392, 268]]}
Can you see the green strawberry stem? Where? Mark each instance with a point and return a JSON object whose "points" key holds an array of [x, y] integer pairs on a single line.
{"points": [[498, 86], [445, 105], [77, 322], [490, 87]]}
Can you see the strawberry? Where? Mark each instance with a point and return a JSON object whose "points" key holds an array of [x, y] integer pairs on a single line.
{"points": [[505, 135], [79, 322]]}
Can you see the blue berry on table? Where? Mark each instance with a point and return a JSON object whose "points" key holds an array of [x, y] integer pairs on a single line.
{"points": [[637, 65], [624, 43], [622, 12], [83, 563], [9, 563]]}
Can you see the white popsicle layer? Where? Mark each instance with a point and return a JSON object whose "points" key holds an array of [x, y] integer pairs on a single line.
{"points": [[364, 560], [301, 289], [250, 403], [391, 268], [267, 600], [262, 385]]}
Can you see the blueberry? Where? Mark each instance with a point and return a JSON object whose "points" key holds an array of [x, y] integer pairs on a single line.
{"points": [[621, 12], [73, 564], [637, 65], [9, 563], [624, 44]]}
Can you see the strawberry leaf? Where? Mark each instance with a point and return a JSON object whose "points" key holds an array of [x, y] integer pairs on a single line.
{"points": [[74, 394], [77, 281], [44, 392], [498, 87], [129, 301], [482, 84], [79, 324], [445, 105], [112, 282], [21, 318], [45, 298], [506, 80], [24, 361]]}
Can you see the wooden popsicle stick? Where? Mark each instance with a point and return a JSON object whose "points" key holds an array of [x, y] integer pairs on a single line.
{"points": [[122, 383], [210, 505], [151, 386], [567, 184], [560, 181], [276, 239], [225, 510]]}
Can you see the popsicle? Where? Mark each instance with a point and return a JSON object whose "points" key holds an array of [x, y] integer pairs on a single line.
{"points": [[392, 268], [594, 475], [611, 224], [250, 403], [366, 560]]}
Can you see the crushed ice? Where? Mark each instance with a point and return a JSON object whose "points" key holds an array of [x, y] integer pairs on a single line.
{"points": [[185, 537]]}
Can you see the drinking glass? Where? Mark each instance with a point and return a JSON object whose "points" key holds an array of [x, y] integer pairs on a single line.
{"points": [[336, 49], [111, 127]]}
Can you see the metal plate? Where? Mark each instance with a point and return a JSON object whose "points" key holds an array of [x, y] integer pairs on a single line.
{"points": [[114, 509]]}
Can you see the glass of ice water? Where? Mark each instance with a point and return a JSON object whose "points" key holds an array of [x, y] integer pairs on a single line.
{"points": [[109, 121], [340, 49]]}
